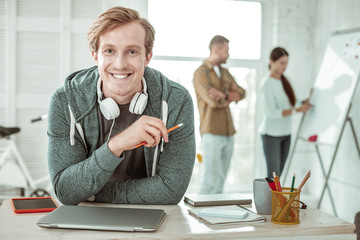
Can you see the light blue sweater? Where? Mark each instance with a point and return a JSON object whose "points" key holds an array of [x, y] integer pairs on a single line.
{"points": [[274, 100]]}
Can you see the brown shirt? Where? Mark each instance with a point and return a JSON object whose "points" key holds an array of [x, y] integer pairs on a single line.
{"points": [[215, 117]]}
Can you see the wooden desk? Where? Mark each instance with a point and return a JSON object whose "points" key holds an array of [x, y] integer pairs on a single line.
{"points": [[178, 224]]}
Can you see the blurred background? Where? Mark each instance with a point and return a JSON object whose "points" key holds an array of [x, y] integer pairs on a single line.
{"points": [[43, 41]]}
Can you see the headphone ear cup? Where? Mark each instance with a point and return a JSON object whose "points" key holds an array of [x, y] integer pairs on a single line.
{"points": [[109, 108], [138, 103]]}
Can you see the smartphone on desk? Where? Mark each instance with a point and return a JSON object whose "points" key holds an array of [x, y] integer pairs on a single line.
{"points": [[33, 204]]}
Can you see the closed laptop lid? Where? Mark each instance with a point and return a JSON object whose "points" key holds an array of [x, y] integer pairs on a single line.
{"points": [[103, 218]]}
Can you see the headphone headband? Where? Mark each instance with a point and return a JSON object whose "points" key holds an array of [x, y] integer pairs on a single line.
{"points": [[144, 85], [98, 89]]}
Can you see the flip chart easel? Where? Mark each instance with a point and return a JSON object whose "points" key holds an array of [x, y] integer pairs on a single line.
{"points": [[332, 97]]}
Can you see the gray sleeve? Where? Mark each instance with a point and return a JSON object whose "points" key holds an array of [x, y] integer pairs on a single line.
{"points": [[174, 167], [75, 176]]}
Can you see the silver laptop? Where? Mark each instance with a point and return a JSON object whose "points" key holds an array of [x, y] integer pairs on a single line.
{"points": [[103, 218]]}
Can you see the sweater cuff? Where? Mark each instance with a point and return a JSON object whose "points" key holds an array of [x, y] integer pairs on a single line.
{"points": [[106, 159]]}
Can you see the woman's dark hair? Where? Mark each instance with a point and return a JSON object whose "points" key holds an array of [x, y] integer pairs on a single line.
{"points": [[277, 53]]}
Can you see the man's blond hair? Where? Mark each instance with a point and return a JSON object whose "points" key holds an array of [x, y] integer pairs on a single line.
{"points": [[115, 17]]}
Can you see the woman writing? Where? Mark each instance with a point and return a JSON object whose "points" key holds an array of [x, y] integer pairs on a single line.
{"points": [[279, 104]]}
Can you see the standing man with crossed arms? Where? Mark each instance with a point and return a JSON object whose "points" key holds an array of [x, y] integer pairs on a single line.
{"points": [[215, 89]]}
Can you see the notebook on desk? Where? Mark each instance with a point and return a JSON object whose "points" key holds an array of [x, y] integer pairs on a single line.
{"points": [[226, 215], [198, 200], [103, 218]]}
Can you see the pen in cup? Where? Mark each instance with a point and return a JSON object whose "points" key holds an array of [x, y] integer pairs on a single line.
{"points": [[277, 182], [271, 183], [291, 190], [287, 206], [292, 184]]}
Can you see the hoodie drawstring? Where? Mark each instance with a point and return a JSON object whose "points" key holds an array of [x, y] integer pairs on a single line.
{"points": [[74, 124], [156, 152]]}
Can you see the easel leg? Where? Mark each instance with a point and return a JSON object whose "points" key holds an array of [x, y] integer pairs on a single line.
{"points": [[333, 160], [354, 134], [324, 174]]}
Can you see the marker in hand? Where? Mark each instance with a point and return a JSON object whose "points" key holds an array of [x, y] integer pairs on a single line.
{"points": [[169, 130]]}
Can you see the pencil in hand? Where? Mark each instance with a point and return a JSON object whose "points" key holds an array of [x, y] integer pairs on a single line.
{"points": [[169, 130]]}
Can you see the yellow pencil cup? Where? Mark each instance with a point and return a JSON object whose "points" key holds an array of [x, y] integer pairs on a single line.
{"points": [[285, 206]]}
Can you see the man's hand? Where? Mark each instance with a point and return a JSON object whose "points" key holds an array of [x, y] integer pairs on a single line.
{"points": [[233, 94], [216, 95], [145, 129]]}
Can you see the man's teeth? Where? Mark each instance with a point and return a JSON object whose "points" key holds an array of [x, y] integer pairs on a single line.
{"points": [[121, 76]]}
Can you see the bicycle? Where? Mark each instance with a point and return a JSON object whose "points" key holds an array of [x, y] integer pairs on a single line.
{"points": [[12, 163]]}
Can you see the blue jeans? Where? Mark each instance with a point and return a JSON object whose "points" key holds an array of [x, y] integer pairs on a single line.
{"points": [[217, 152], [276, 150]]}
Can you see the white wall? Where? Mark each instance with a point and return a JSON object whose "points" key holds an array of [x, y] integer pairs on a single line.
{"points": [[304, 29]]}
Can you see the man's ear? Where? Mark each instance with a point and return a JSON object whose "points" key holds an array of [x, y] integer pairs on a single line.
{"points": [[217, 47], [94, 54], [148, 58]]}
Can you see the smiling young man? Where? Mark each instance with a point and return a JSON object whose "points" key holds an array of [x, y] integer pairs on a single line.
{"points": [[100, 115]]}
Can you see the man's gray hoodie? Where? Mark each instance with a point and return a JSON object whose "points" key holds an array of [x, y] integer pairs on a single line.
{"points": [[80, 169]]}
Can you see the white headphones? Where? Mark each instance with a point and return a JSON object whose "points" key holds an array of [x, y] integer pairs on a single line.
{"points": [[110, 109]]}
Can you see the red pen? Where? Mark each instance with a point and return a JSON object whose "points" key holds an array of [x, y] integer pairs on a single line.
{"points": [[271, 183]]}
